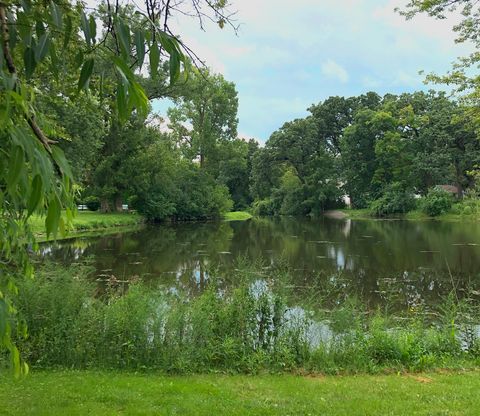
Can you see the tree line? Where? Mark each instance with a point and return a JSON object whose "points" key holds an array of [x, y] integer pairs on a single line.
{"points": [[192, 165], [369, 148]]}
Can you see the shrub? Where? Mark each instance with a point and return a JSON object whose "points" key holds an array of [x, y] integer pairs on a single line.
{"points": [[244, 328], [92, 203], [190, 194], [437, 202], [395, 200], [469, 206], [264, 207]]}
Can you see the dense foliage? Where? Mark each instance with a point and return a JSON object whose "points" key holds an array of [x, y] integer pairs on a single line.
{"points": [[72, 74], [246, 328], [76, 126], [437, 202], [378, 151], [395, 200]]}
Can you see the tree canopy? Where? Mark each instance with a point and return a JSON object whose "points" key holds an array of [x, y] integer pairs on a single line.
{"points": [[54, 55]]}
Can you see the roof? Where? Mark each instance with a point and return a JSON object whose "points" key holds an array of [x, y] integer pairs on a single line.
{"points": [[449, 188]]}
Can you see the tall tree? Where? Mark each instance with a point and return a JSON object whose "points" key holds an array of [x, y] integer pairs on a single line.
{"points": [[35, 176], [204, 116], [296, 170], [460, 77]]}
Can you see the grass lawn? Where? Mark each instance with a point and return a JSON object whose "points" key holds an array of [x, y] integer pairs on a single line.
{"points": [[357, 214], [416, 215], [89, 221], [237, 216], [111, 393]]}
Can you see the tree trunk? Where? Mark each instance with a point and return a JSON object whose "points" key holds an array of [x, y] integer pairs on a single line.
{"points": [[459, 190], [118, 204], [459, 177], [105, 205]]}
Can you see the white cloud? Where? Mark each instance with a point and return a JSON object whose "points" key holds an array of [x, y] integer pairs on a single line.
{"points": [[354, 45], [333, 70], [420, 26]]}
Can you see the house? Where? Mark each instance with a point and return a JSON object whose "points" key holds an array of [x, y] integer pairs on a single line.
{"points": [[452, 189]]}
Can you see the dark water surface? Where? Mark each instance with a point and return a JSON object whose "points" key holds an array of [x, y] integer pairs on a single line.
{"points": [[419, 261]]}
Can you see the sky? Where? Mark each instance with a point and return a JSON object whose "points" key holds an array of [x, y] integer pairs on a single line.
{"points": [[288, 55]]}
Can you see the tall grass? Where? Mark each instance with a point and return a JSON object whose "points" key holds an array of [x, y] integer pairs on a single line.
{"points": [[246, 328]]}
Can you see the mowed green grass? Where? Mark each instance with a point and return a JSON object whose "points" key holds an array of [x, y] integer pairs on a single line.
{"points": [[415, 215], [89, 220], [237, 216], [111, 393]]}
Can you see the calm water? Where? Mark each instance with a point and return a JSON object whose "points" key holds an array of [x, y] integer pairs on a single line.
{"points": [[416, 261]]}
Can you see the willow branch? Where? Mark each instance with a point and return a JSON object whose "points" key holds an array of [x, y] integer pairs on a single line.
{"points": [[13, 70]]}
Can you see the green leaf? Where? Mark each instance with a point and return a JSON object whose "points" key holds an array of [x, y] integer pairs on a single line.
{"points": [[166, 42], [15, 357], [78, 61], [3, 318], [133, 94], [123, 33], [68, 31], [140, 100], [85, 28], [61, 161], [174, 67], [140, 47], [41, 49], [56, 13], [122, 104], [85, 74], [15, 166], [35, 194], [53, 216], [124, 69], [102, 82], [29, 61], [39, 28], [24, 28], [12, 32], [154, 59], [93, 28], [54, 60]]}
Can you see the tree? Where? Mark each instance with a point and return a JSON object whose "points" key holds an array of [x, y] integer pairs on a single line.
{"points": [[204, 116], [359, 161], [334, 114], [468, 29], [296, 170], [35, 176], [234, 169]]}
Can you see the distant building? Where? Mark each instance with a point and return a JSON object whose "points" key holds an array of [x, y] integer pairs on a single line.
{"points": [[346, 200], [451, 189]]}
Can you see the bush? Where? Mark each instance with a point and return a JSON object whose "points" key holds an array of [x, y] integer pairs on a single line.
{"points": [[264, 208], [92, 203], [189, 194], [395, 200], [437, 202]]}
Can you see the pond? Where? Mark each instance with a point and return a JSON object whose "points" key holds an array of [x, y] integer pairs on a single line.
{"points": [[414, 261]]}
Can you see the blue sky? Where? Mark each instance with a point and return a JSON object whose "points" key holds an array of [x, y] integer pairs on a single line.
{"points": [[290, 54]]}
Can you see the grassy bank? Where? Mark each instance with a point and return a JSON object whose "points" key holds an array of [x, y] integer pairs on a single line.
{"points": [[237, 216], [91, 221], [111, 393], [357, 214], [416, 215], [250, 325]]}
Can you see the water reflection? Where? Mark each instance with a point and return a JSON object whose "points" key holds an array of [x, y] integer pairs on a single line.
{"points": [[413, 262]]}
